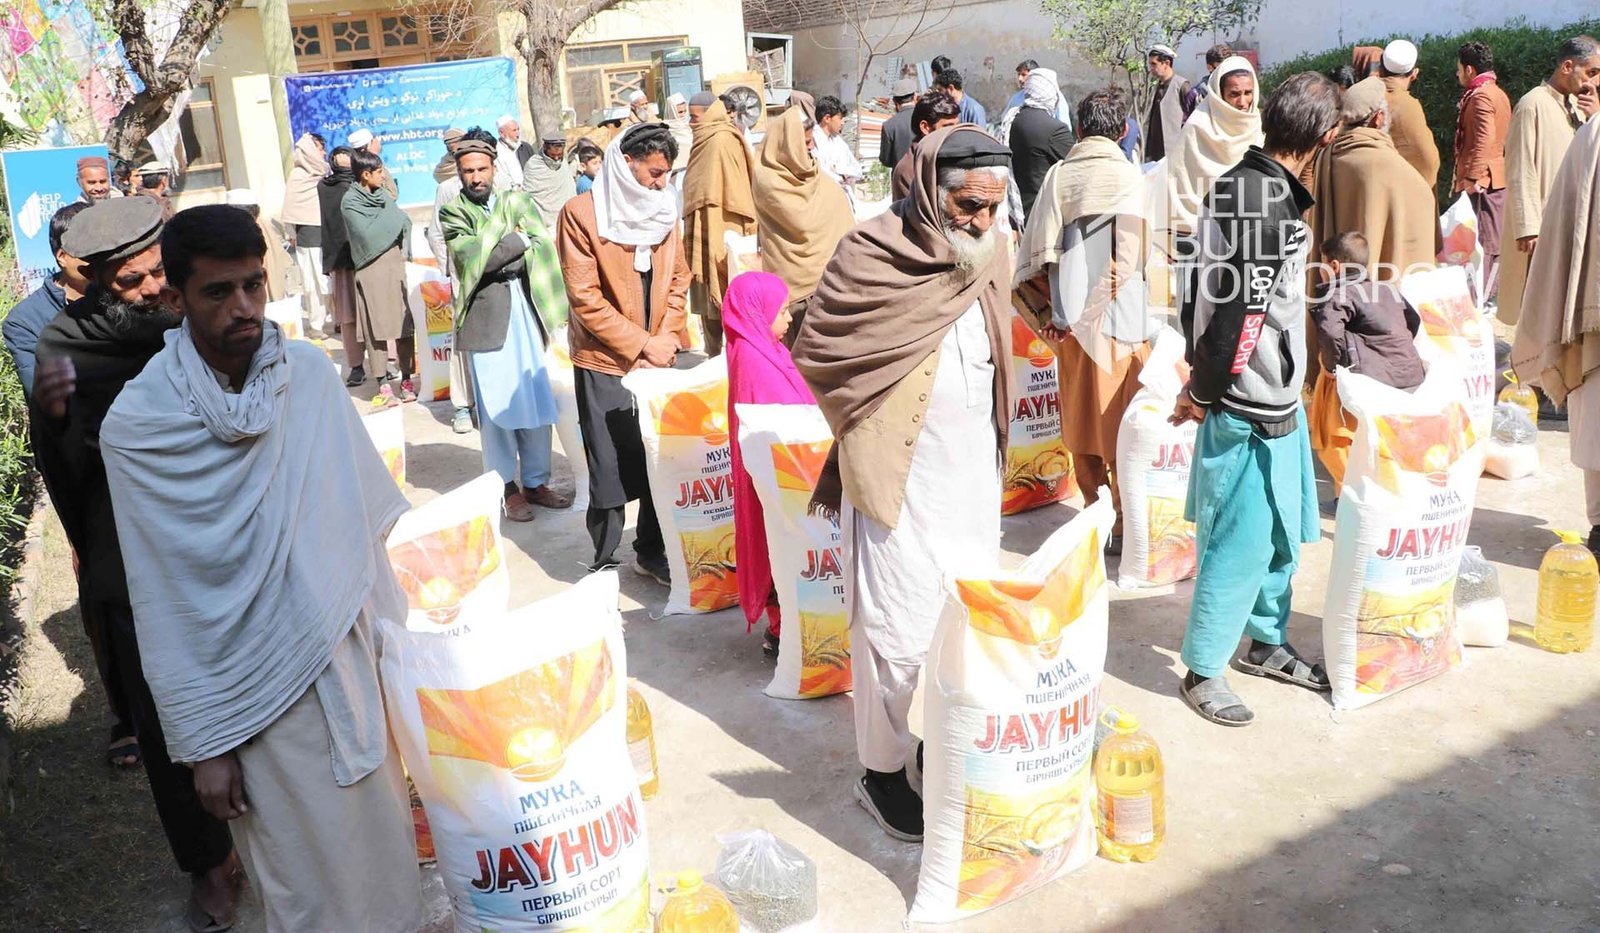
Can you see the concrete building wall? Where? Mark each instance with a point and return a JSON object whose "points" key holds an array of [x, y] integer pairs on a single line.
{"points": [[716, 26], [985, 40]]}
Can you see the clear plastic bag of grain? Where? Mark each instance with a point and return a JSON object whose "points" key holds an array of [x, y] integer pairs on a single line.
{"points": [[772, 884], [1480, 609]]}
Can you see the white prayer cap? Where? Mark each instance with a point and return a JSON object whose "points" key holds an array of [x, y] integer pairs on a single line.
{"points": [[1399, 57], [360, 138], [634, 97], [504, 122], [1165, 51], [242, 197]]}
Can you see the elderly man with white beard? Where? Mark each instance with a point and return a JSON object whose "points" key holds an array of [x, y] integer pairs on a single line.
{"points": [[906, 345]]}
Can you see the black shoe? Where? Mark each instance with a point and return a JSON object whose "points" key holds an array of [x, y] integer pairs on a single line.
{"points": [[653, 566], [357, 376], [891, 802], [769, 644], [609, 563]]}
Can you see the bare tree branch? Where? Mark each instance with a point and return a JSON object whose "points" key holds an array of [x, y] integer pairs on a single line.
{"points": [[163, 80]]}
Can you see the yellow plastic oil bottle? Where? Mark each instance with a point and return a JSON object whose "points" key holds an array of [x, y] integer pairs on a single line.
{"points": [[697, 907], [1568, 578], [642, 743], [1130, 806], [1522, 396]]}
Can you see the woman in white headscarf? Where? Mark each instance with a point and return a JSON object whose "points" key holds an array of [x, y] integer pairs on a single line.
{"points": [[1223, 125]]}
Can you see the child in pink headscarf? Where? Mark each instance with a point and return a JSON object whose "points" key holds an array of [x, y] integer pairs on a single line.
{"points": [[755, 315]]}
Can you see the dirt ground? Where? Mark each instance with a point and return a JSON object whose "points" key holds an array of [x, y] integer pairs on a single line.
{"points": [[1468, 803]]}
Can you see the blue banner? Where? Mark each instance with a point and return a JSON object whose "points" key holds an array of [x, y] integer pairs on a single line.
{"points": [[40, 182], [407, 108]]}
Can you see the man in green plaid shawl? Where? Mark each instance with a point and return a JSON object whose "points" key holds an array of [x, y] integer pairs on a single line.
{"points": [[509, 299]]}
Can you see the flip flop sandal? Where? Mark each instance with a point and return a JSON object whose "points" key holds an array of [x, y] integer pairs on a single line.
{"points": [[201, 922], [1283, 664], [124, 748], [1211, 698]]}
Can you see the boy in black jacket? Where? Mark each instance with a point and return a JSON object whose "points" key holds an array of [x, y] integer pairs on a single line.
{"points": [[1252, 494]]}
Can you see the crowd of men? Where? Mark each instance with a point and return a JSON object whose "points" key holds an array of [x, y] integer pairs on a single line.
{"points": [[228, 514]]}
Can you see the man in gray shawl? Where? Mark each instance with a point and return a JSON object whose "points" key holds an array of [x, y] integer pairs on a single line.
{"points": [[252, 510], [549, 179]]}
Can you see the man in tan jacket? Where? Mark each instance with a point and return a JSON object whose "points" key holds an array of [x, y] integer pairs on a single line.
{"points": [[1408, 125], [906, 346], [1542, 127], [1480, 150], [627, 284]]}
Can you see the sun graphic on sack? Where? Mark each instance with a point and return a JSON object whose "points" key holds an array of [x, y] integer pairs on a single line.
{"points": [[1026, 343], [526, 722], [1426, 445], [440, 569], [701, 413], [1451, 316], [1036, 614]]}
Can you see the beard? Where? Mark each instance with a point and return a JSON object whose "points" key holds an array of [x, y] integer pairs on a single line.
{"points": [[130, 321], [478, 195], [973, 251]]}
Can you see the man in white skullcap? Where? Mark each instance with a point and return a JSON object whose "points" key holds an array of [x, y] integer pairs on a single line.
{"points": [[363, 138], [154, 180], [1408, 126], [512, 153], [638, 107], [1170, 106]]}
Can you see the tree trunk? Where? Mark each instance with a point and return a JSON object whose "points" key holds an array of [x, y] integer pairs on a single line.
{"points": [[544, 94], [137, 119], [278, 41]]}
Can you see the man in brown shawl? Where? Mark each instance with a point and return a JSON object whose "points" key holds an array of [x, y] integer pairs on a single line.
{"points": [[801, 213], [1557, 346], [907, 348], [716, 200], [1363, 184]]}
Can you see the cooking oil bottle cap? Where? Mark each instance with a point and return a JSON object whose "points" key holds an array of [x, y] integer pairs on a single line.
{"points": [[1120, 721], [1569, 537], [689, 881], [1511, 376]]}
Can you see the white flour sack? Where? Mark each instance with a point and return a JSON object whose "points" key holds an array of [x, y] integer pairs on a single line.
{"points": [[1453, 328], [1038, 466], [1404, 512], [1009, 713], [1153, 473], [447, 557], [287, 314], [784, 447], [683, 416], [515, 733], [387, 429], [565, 387]]}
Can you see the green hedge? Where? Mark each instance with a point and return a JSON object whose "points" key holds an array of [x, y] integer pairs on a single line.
{"points": [[1523, 55]]}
